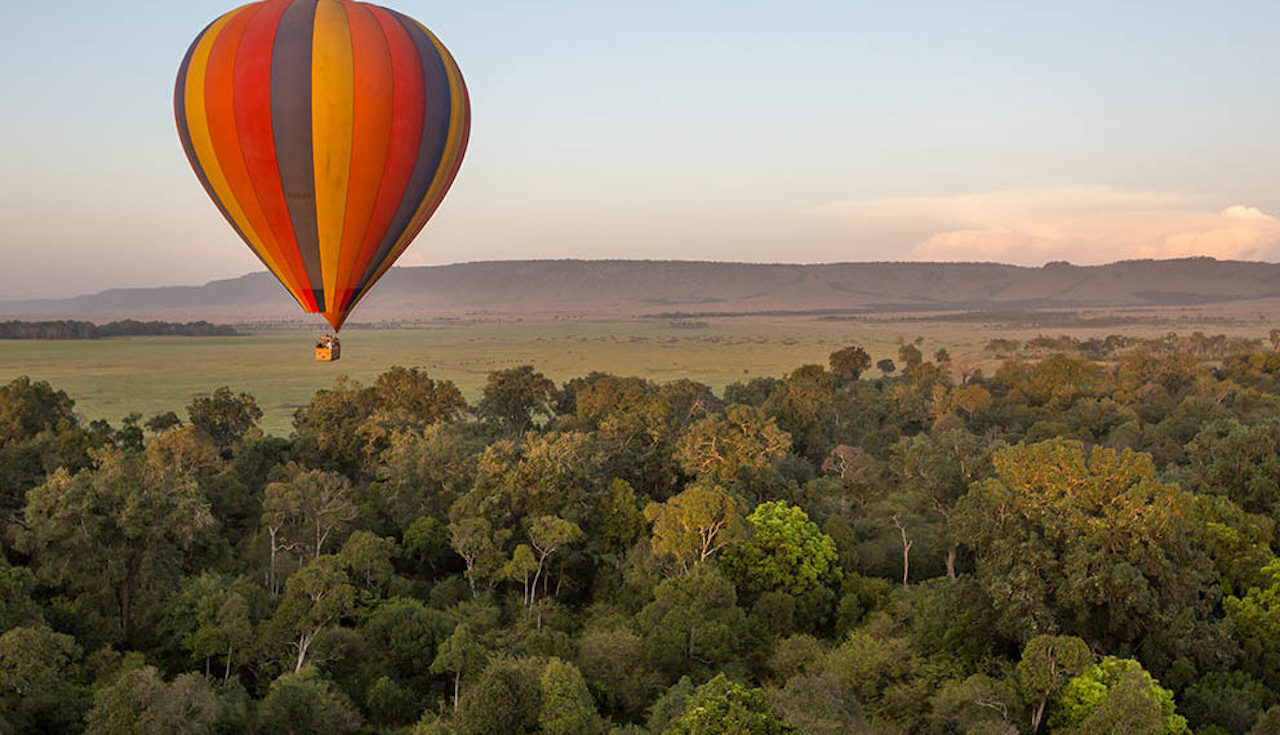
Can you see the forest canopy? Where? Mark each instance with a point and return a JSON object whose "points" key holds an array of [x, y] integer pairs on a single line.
{"points": [[1082, 541]]}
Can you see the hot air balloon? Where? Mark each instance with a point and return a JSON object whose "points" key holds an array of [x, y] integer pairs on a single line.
{"points": [[327, 132]]}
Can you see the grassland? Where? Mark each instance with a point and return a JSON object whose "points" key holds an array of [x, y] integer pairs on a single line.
{"points": [[110, 378]]}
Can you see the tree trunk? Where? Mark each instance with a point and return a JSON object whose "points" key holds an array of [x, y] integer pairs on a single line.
{"points": [[227, 675], [457, 676], [906, 550], [126, 611], [951, 562], [1038, 715], [271, 568], [304, 642]]}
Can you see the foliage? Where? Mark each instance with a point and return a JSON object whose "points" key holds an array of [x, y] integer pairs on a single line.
{"points": [[722, 707], [828, 551], [1117, 695]]}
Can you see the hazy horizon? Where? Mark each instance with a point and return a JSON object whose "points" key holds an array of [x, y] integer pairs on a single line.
{"points": [[826, 133], [263, 271]]}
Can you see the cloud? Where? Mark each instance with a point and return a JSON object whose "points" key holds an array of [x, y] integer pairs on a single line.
{"points": [[1078, 224]]}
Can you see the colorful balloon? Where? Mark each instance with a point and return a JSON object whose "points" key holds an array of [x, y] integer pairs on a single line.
{"points": [[327, 132]]}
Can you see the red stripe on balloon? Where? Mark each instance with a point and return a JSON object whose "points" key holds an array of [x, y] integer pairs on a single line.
{"points": [[409, 108], [252, 82], [220, 106]]}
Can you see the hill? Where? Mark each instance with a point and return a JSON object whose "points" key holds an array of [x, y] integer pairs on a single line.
{"points": [[649, 288]]}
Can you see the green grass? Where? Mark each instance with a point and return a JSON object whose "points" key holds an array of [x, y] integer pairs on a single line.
{"points": [[113, 377]]}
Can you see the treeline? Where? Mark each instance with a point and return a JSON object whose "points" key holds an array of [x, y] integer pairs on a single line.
{"points": [[1196, 344], [1062, 546], [69, 329]]}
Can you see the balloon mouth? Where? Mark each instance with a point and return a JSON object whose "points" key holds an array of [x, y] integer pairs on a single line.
{"points": [[335, 320]]}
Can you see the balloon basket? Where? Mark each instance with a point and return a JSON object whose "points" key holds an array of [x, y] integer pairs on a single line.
{"points": [[328, 349]]}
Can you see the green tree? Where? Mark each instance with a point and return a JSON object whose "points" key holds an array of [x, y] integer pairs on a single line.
{"points": [[723, 707], [304, 702], [38, 687], [38, 434], [694, 525], [327, 430], [368, 559], [547, 534], [567, 708], [408, 397], [224, 417], [513, 397], [693, 626], [506, 699], [786, 553], [316, 597], [1087, 543], [742, 445], [120, 531], [461, 655], [1048, 664], [1117, 695], [404, 637], [1230, 701], [139, 702], [849, 363]]}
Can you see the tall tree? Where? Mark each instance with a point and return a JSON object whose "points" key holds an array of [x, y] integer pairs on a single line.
{"points": [[224, 417], [461, 655], [122, 530], [694, 525], [513, 397], [316, 597]]}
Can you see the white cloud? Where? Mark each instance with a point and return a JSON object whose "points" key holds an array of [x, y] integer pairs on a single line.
{"points": [[1078, 224]]}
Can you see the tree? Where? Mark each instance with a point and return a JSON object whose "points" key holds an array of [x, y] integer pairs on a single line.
{"points": [[327, 430], [742, 445], [786, 552], [367, 557], [849, 363], [479, 546], [404, 638], [1230, 701], [139, 702], [512, 398], [612, 659], [409, 397], [226, 418], [723, 707], [693, 626], [507, 698], [547, 534], [567, 708], [694, 525], [38, 687], [1048, 663], [1086, 543], [117, 531], [1117, 695], [939, 470], [317, 596], [303, 701], [38, 434], [461, 655]]}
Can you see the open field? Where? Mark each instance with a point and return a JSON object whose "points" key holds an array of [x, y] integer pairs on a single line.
{"points": [[110, 378]]}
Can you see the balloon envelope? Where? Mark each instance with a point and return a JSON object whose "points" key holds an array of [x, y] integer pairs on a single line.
{"points": [[327, 132]]}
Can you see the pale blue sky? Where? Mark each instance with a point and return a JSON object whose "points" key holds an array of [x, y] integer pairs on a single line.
{"points": [[800, 131]]}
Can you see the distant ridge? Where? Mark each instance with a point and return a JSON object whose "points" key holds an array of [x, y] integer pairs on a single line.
{"points": [[664, 288]]}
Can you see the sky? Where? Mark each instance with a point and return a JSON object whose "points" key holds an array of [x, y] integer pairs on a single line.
{"points": [[712, 130]]}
